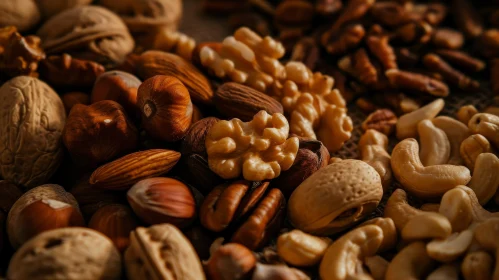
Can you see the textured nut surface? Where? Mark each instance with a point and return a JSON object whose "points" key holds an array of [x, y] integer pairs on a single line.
{"points": [[485, 180], [51, 8], [70, 99], [456, 133], [301, 249], [122, 173], [407, 124], [67, 253], [118, 86], [465, 113], [335, 197], [161, 252], [66, 71], [165, 107], [435, 146], [230, 261], [450, 248], [31, 123], [390, 235], [398, 209], [486, 125], [22, 14], [477, 265], [258, 149], [194, 140], [373, 151], [382, 120], [472, 147], [20, 227], [426, 226], [98, 133], [87, 32], [405, 80], [411, 263], [344, 258]]}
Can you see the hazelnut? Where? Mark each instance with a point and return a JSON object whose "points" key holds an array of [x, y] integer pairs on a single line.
{"points": [[116, 221], [70, 99], [41, 209], [166, 107], [195, 137], [118, 86], [162, 200], [230, 261], [98, 133], [196, 114]]}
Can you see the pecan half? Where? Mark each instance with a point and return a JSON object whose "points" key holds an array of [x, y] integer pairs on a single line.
{"points": [[382, 120], [451, 75], [416, 82]]}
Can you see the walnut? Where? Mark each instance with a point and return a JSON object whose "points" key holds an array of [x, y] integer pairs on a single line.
{"points": [[259, 148], [305, 96], [23, 14], [164, 39], [51, 8], [87, 32], [19, 55]]}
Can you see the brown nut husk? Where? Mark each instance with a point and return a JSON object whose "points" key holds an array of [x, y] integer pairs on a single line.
{"points": [[23, 14], [335, 197], [161, 252], [87, 32], [66, 254], [53, 7], [31, 122]]}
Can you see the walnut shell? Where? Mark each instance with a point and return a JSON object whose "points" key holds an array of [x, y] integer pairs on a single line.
{"points": [[335, 197], [32, 118], [87, 32], [23, 14], [66, 253], [53, 7]]}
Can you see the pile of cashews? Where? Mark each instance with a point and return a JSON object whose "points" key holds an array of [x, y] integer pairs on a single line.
{"points": [[450, 163]]}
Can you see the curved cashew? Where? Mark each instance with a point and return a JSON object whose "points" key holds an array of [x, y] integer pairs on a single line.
{"points": [[390, 235], [411, 263], [430, 207], [485, 180], [451, 248], [435, 146], [445, 272], [372, 146], [465, 113], [407, 124], [301, 249], [486, 234], [398, 209], [425, 182], [477, 265], [487, 125], [343, 259], [456, 133], [473, 146], [427, 226], [377, 266]]}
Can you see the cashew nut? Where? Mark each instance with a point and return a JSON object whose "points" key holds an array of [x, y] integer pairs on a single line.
{"points": [[424, 181], [485, 180], [301, 249], [487, 125], [445, 272], [411, 263], [473, 146], [456, 133], [407, 124], [372, 146], [451, 248], [430, 207], [266, 271], [343, 259], [334, 160], [377, 266], [477, 265], [486, 234], [426, 226], [398, 209], [390, 235], [465, 113], [435, 146]]}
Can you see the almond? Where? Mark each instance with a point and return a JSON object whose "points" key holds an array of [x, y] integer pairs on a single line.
{"points": [[152, 63], [235, 100], [122, 173]]}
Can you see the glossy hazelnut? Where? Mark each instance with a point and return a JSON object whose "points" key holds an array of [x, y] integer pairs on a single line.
{"points": [[230, 262], [70, 99], [98, 133], [41, 209], [162, 200], [116, 221], [118, 86], [166, 107]]}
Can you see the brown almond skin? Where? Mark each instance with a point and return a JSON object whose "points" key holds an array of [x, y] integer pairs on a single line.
{"points": [[122, 173], [165, 107], [234, 100], [118, 86], [162, 200], [194, 139], [152, 63]]}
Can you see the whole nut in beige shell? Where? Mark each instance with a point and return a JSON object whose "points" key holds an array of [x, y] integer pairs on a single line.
{"points": [[66, 253], [53, 7], [335, 197], [32, 118], [23, 14], [161, 252]]}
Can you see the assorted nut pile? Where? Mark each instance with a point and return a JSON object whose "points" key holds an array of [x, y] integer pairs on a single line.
{"points": [[130, 151]]}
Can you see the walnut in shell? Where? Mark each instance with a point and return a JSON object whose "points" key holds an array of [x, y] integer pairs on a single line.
{"points": [[66, 253], [87, 32], [32, 118], [23, 14], [53, 7], [161, 252]]}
